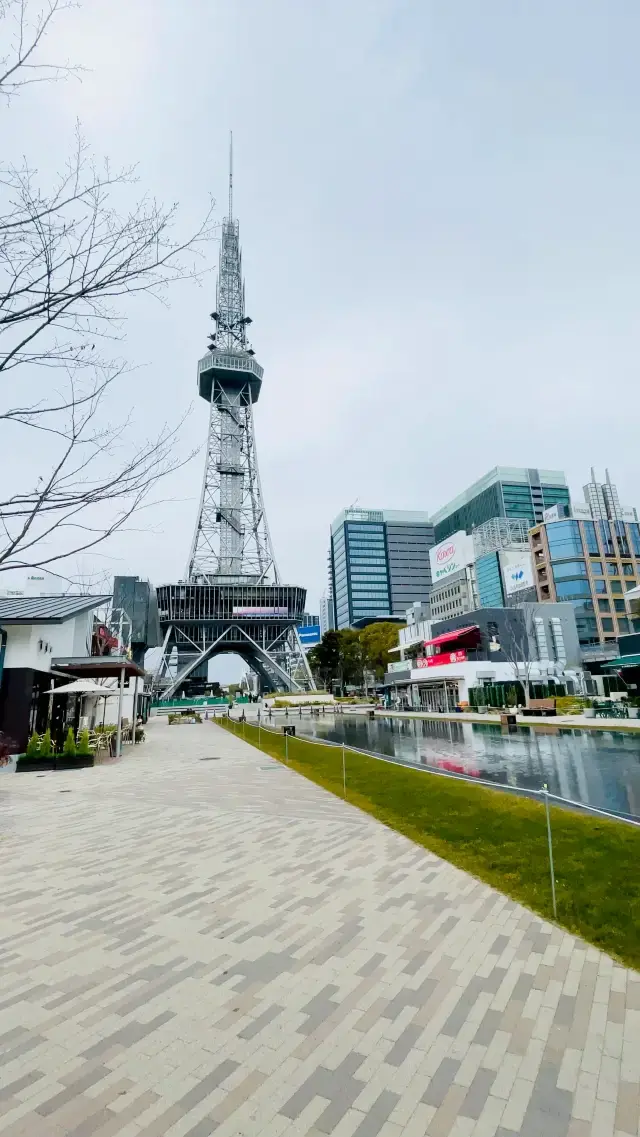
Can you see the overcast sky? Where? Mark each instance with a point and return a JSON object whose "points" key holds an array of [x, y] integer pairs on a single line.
{"points": [[438, 208]]}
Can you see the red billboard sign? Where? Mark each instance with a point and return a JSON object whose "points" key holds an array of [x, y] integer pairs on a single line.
{"points": [[459, 656]]}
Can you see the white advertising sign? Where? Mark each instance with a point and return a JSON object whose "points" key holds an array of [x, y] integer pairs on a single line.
{"points": [[451, 555], [581, 510], [627, 513], [553, 513], [517, 572]]}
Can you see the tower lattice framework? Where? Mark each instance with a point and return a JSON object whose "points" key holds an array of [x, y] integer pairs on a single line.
{"points": [[232, 598]]}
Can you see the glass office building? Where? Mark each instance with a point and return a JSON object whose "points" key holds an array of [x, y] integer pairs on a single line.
{"points": [[506, 491], [379, 563], [591, 565]]}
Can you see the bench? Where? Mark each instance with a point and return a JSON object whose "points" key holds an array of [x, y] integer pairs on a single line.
{"points": [[545, 707]]}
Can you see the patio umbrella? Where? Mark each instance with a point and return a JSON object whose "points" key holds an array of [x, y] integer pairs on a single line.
{"points": [[84, 687]]}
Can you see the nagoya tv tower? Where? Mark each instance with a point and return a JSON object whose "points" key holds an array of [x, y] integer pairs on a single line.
{"points": [[232, 599]]}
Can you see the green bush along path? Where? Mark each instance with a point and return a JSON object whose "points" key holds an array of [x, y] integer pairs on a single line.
{"points": [[500, 838]]}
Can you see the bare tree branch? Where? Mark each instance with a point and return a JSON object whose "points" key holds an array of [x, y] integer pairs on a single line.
{"points": [[23, 31], [70, 255]]}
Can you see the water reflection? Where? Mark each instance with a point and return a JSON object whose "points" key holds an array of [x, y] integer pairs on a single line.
{"points": [[600, 768]]}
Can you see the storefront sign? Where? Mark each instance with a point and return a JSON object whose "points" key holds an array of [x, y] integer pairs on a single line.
{"points": [[451, 555], [517, 572], [444, 657]]}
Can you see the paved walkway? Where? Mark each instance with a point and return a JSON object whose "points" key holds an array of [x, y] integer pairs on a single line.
{"points": [[197, 940]]}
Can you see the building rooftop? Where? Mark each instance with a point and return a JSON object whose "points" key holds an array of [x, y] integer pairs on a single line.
{"points": [[393, 516], [46, 609], [498, 474]]}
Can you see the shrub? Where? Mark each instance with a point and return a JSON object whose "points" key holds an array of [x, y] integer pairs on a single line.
{"points": [[69, 748], [33, 746], [84, 750], [46, 746]]}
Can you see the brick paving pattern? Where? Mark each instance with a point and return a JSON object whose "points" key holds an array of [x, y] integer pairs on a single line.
{"points": [[198, 941]]}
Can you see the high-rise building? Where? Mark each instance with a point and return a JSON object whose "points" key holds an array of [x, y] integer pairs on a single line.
{"points": [[592, 565], [504, 492], [327, 618], [603, 502], [379, 563]]}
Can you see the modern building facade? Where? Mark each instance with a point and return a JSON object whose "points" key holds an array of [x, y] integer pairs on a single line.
{"points": [[591, 565], [505, 491], [488, 647], [453, 577], [503, 565], [309, 631], [603, 501], [379, 563], [136, 600], [35, 634], [327, 617]]}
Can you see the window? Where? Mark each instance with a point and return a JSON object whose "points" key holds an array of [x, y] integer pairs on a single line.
{"points": [[624, 625], [600, 585], [634, 531], [606, 538], [569, 588], [569, 569], [604, 606], [616, 585], [613, 569], [607, 624], [564, 540], [619, 605], [621, 534], [582, 605], [591, 539], [628, 569], [596, 568]]}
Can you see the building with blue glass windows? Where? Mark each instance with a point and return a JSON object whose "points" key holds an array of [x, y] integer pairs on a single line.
{"points": [[378, 563], [506, 491], [591, 565]]}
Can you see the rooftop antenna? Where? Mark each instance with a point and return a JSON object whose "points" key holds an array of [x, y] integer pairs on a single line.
{"points": [[230, 175]]}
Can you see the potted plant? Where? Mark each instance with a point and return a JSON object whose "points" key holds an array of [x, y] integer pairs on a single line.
{"points": [[84, 749], [633, 707], [33, 746], [69, 748], [589, 709]]}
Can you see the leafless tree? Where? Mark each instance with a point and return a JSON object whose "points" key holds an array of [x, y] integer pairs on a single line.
{"points": [[24, 27], [70, 254], [516, 645]]}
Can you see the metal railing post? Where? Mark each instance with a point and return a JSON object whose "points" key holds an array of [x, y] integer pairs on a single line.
{"points": [[545, 790], [344, 772], [286, 748]]}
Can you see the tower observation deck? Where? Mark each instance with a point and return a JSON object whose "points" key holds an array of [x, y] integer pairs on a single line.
{"points": [[232, 598]]}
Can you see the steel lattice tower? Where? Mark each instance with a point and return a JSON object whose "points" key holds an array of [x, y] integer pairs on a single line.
{"points": [[232, 598], [231, 540]]}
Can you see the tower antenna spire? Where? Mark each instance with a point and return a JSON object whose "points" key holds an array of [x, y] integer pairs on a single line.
{"points": [[230, 175]]}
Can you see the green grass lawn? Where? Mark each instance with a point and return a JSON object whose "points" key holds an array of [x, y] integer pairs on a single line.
{"points": [[500, 838]]}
